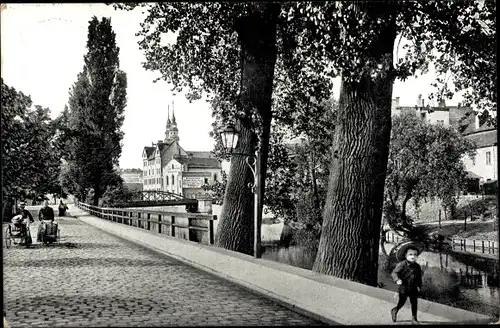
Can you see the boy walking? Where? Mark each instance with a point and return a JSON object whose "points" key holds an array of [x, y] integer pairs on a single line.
{"points": [[408, 275]]}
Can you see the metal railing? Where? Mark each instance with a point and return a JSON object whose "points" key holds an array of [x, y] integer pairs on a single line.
{"points": [[190, 226]]}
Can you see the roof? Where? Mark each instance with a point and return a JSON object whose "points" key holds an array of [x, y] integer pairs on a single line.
{"points": [[472, 175], [201, 154], [483, 138], [425, 109], [149, 151], [199, 162]]}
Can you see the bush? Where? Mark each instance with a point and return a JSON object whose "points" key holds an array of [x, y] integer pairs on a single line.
{"points": [[490, 187], [115, 195], [478, 207], [307, 226]]}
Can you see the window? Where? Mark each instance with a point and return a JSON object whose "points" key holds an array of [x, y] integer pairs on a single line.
{"points": [[173, 181], [206, 180], [440, 122], [488, 158], [172, 166], [422, 115], [215, 176], [167, 179]]}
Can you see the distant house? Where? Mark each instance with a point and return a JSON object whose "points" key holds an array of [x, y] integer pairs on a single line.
{"points": [[168, 167], [482, 167]]}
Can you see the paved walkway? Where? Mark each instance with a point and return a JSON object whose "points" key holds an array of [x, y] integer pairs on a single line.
{"points": [[94, 279]]}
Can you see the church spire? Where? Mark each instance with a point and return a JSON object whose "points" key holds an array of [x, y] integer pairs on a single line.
{"points": [[173, 114], [168, 115]]}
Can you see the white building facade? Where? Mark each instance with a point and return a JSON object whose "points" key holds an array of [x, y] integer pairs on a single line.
{"points": [[168, 167]]}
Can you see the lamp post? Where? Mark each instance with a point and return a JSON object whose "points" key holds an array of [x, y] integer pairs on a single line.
{"points": [[230, 140]]}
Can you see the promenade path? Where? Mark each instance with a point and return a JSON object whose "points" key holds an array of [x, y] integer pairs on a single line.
{"points": [[95, 279]]}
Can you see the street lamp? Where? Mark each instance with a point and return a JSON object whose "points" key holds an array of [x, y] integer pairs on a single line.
{"points": [[230, 138]]}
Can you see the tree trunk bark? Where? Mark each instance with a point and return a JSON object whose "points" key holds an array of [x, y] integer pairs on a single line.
{"points": [[257, 37], [317, 202], [349, 244]]}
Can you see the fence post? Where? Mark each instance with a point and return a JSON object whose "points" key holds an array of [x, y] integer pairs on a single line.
{"points": [[474, 245], [189, 229], [159, 223], [148, 223], [139, 215], [172, 228], [482, 244], [211, 240]]}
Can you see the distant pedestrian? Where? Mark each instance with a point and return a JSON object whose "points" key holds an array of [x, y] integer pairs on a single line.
{"points": [[408, 276], [62, 208]]}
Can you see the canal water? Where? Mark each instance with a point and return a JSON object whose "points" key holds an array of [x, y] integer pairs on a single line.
{"points": [[472, 286]]}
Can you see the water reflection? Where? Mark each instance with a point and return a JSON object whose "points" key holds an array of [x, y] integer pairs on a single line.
{"points": [[446, 279]]}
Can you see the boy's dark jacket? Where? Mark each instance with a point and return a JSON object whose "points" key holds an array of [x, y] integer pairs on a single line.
{"points": [[410, 274]]}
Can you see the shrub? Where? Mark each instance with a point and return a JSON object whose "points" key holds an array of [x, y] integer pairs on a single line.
{"points": [[115, 195], [307, 225], [478, 207]]}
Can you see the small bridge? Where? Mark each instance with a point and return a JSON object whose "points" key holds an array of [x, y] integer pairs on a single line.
{"points": [[147, 198]]}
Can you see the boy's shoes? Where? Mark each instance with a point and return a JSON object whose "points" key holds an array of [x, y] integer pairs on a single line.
{"points": [[414, 321], [394, 314]]}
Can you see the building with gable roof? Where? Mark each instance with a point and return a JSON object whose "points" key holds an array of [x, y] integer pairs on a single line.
{"points": [[168, 167]]}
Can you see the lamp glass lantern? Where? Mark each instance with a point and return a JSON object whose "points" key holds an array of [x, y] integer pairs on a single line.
{"points": [[229, 138]]}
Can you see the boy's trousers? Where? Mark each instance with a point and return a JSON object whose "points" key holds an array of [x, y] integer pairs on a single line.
{"points": [[413, 295]]}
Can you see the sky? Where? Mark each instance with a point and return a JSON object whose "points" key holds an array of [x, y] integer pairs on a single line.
{"points": [[42, 49]]}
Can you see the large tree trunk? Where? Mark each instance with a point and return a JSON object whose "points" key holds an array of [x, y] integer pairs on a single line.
{"points": [[257, 36], [349, 244]]}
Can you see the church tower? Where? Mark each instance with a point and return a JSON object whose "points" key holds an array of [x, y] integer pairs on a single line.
{"points": [[167, 130], [171, 133]]}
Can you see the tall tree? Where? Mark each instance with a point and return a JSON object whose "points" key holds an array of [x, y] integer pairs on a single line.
{"points": [[96, 105], [241, 45], [361, 40]]}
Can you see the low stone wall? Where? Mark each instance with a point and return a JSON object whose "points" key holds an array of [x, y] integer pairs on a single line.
{"points": [[332, 300]]}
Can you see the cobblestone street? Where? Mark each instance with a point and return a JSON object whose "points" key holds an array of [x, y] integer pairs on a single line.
{"points": [[94, 279]]}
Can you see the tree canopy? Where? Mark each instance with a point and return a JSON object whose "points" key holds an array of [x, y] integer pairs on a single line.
{"points": [[95, 114], [425, 162], [30, 147]]}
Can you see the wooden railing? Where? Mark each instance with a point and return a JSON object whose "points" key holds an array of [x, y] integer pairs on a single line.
{"points": [[467, 245], [190, 226], [475, 246]]}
